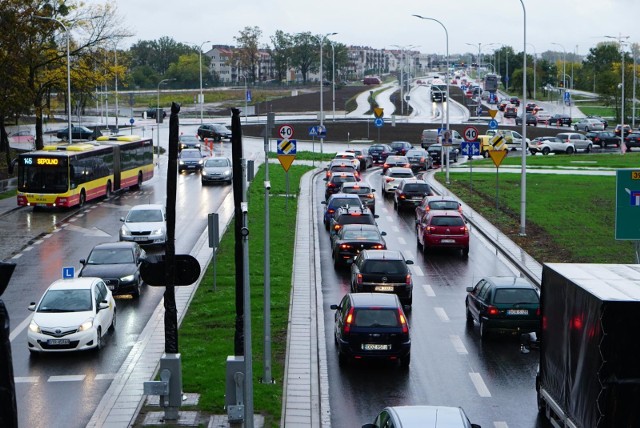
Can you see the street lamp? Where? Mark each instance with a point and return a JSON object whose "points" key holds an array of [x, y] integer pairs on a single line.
{"points": [[535, 62], [523, 177], [619, 39], [564, 71], [479, 74], [201, 95], [158, 117], [321, 39], [116, 58], [448, 81], [402, 66], [68, 74], [333, 78]]}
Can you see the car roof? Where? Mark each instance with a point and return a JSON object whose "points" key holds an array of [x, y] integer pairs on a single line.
{"points": [[342, 196], [444, 213], [382, 255], [413, 180], [399, 169], [374, 299], [429, 416], [361, 227], [356, 184], [115, 245], [509, 282], [147, 207], [84, 283]]}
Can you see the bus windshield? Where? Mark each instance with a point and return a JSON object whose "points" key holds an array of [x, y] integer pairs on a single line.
{"points": [[42, 177]]}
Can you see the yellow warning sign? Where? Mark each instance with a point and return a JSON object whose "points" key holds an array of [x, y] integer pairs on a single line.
{"points": [[378, 112], [493, 113], [286, 161], [497, 156], [498, 142]]}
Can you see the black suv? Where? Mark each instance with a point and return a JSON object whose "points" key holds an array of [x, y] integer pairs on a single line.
{"points": [[350, 215], [410, 193], [190, 160], [560, 120], [371, 326], [401, 147], [382, 271], [380, 152], [215, 131]]}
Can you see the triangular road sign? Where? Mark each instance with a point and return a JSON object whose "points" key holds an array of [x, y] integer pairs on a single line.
{"points": [[493, 113], [286, 161], [497, 156]]}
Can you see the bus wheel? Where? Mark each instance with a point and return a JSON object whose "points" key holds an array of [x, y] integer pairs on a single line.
{"points": [[83, 198], [107, 194]]}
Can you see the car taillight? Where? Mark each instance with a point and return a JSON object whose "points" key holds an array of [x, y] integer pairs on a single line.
{"points": [[407, 165], [337, 227], [464, 229], [538, 312], [389, 179], [347, 322], [359, 279], [492, 311], [378, 247], [422, 159], [403, 321], [370, 196], [345, 246], [331, 211], [402, 196], [429, 229], [331, 185], [407, 279]]}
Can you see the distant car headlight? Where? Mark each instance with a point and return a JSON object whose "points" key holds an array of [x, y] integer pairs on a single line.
{"points": [[35, 328], [128, 278], [200, 162], [124, 231], [181, 162], [157, 232], [204, 172], [86, 325], [226, 173]]}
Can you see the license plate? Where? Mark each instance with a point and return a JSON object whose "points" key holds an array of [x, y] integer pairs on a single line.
{"points": [[111, 287], [375, 347], [140, 238], [58, 342], [448, 241], [384, 288], [517, 312]]}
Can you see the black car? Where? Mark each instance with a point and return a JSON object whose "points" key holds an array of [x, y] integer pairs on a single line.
{"points": [[151, 113], [382, 271], [189, 142], [364, 191], [603, 138], [560, 120], [215, 131], [118, 264], [400, 148], [190, 160], [419, 159], [350, 215], [353, 238], [632, 140], [531, 120], [410, 193], [435, 152], [515, 101], [503, 304], [335, 182], [336, 201], [371, 326], [380, 152], [79, 133]]}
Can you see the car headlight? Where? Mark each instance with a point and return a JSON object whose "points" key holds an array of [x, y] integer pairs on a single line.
{"points": [[128, 278], [226, 173], [204, 172], [124, 231], [86, 325], [35, 328], [157, 232], [200, 162], [181, 162]]}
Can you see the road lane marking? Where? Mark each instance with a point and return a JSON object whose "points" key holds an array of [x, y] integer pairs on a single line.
{"points": [[105, 376], [440, 312], [25, 379], [417, 270], [428, 290], [396, 229], [17, 256], [408, 254], [66, 378], [16, 331], [457, 344], [481, 388], [500, 424]]}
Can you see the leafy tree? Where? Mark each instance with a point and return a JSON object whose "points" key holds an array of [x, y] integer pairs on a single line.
{"points": [[247, 53], [281, 52], [304, 54]]}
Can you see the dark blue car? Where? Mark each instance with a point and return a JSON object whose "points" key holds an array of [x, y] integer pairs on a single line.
{"points": [[336, 201]]}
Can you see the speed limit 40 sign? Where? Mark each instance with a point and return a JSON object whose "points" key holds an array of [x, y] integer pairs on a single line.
{"points": [[470, 133], [285, 132]]}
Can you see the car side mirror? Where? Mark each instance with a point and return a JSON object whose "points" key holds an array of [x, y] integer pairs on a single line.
{"points": [[32, 306], [409, 262], [376, 216], [469, 289], [83, 262], [103, 305], [383, 233], [122, 219], [335, 307], [323, 202], [373, 190]]}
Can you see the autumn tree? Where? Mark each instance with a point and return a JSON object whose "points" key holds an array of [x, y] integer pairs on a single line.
{"points": [[246, 55]]}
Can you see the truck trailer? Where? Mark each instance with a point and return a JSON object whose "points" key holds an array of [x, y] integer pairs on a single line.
{"points": [[589, 373]]}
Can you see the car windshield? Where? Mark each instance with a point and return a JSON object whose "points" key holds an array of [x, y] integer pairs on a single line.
{"points": [[66, 301], [417, 187], [110, 256], [360, 235], [341, 202], [190, 154], [144, 216], [339, 179], [376, 148], [401, 174], [443, 205], [447, 221], [374, 317], [415, 153], [356, 190], [390, 267], [355, 219], [515, 295], [216, 163]]}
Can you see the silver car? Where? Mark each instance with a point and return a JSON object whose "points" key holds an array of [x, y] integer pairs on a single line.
{"points": [[422, 416], [589, 125], [580, 142], [145, 224], [216, 170]]}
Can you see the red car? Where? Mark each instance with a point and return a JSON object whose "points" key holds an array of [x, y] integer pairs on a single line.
{"points": [[445, 229]]}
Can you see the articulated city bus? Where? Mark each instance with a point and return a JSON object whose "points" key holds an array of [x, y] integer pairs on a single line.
{"points": [[65, 175]]}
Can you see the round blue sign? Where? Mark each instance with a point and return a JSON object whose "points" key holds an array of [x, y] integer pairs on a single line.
{"points": [[493, 124], [378, 122], [131, 121]]}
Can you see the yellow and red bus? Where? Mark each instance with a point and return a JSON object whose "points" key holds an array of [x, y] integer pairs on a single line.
{"points": [[65, 175]]}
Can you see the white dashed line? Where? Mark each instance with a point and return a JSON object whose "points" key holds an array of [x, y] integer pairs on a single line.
{"points": [[408, 254], [28, 249], [481, 388], [441, 314], [396, 229], [500, 424], [25, 379], [417, 270], [48, 235], [66, 378], [457, 344], [106, 376], [428, 290], [17, 256]]}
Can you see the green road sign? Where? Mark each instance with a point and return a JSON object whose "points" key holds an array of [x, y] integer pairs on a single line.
{"points": [[628, 204]]}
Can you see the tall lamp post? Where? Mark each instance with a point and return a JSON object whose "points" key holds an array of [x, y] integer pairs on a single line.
{"points": [[619, 39], [564, 71], [447, 81], [523, 177], [68, 73], [402, 66], [333, 79], [321, 39], [201, 95], [116, 59], [535, 65], [158, 115], [479, 74]]}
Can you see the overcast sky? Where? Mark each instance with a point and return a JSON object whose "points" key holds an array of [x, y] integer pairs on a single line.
{"points": [[575, 24]]}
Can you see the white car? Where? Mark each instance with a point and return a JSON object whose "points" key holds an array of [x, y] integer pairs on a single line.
{"points": [[513, 139], [350, 156], [392, 178], [145, 224], [72, 315], [546, 145]]}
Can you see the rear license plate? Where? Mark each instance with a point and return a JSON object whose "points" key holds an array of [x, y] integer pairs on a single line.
{"points": [[448, 241], [384, 288], [517, 312], [58, 342], [111, 287], [375, 347]]}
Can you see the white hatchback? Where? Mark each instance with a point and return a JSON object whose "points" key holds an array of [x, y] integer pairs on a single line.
{"points": [[72, 315]]}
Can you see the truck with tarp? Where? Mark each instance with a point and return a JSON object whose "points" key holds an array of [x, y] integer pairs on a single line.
{"points": [[589, 374]]}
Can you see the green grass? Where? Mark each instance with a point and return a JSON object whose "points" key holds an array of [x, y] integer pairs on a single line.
{"points": [[308, 156], [207, 331], [603, 111], [582, 160], [570, 218], [8, 194]]}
